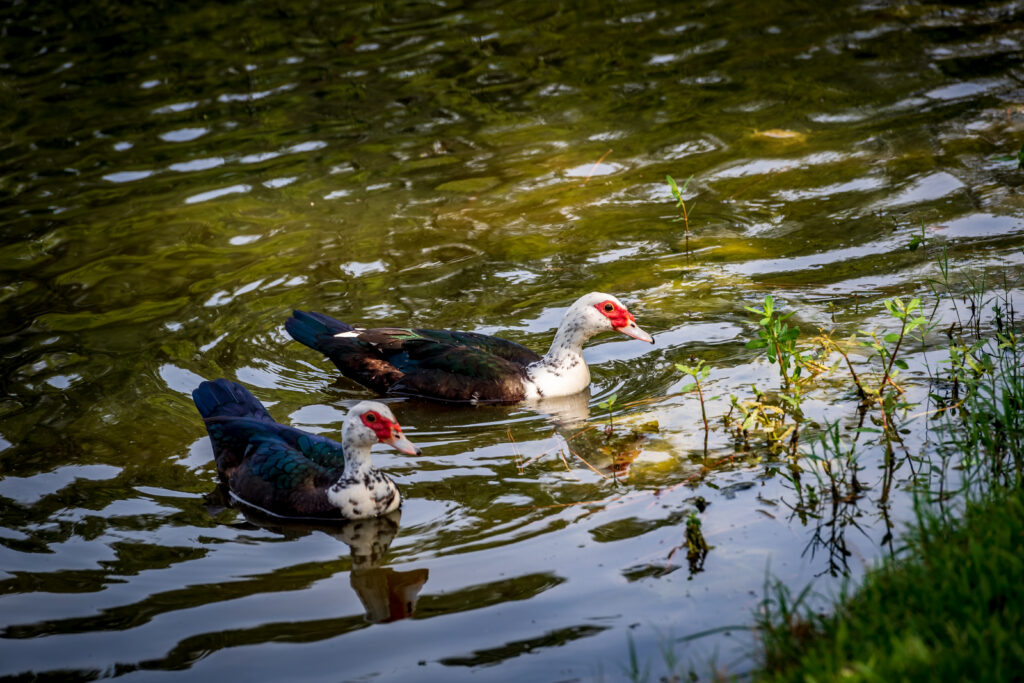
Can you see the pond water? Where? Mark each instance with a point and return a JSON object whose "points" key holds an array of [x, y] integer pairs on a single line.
{"points": [[175, 178]]}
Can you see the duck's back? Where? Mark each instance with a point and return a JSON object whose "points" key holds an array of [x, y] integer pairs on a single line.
{"points": [[439, 364]]}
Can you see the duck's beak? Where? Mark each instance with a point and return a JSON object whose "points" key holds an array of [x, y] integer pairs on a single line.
{"points": [[631, 329], [402, 444]]}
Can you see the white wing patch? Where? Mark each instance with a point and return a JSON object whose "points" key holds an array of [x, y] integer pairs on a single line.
{"points": [[355, 332]]}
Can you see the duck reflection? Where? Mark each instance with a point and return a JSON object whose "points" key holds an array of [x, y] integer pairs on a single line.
{"points": [[386, 594], [568, 412], [609, 452]]}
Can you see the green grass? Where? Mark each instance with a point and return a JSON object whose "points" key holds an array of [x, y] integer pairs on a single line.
{"points": [[953, 610], [951, 607]]}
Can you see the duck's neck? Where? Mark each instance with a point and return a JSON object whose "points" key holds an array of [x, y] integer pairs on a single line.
{"points": [[362, 490], [562, 371], [568, 343], [357, 459]]}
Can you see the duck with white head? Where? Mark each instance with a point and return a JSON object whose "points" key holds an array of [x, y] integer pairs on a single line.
{"points": [[448, 365]]}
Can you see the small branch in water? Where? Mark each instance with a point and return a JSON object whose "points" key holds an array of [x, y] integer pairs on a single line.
{"points": [[594, 167], [592, 468], [615, 498], [515, 451], [558, 447], [568, 469], [554, 506], [651, 399]]}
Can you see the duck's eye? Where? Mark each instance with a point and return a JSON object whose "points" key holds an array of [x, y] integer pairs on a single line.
{"points": [[371, 417], [608, 308]]}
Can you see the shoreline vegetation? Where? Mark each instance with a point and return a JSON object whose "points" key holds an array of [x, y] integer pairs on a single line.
{"points": [[949, 605], [946, 603], [950, 610]]}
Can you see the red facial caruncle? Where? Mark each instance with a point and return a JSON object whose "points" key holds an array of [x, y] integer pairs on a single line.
{"points": [[616, 314], [381, 426]]}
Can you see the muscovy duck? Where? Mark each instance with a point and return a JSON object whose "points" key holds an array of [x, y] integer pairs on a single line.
{"points": [[454, 366], [287, 472]]}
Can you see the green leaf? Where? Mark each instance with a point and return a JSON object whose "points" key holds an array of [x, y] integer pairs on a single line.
{"points": [[675, 188], [891, 338], [757, 344], [689, 386], [901, 364]]}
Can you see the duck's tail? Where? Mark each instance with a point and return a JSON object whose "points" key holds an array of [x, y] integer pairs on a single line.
{"points": [[224, 398], [312, 329]]}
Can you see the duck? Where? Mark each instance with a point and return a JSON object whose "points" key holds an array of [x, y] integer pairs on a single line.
{"points": [[452, 366], [286, 472]]}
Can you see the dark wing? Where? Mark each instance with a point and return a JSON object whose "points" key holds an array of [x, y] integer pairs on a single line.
{"points": [[502, 348], [323, 451], [224, 398], [222, 402], [440, 364], [278, 478], [357, 360], [233, 436], [458, 373]]}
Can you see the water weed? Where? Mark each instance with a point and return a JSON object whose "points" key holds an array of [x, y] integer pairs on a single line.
{"points": [[684, 215]]}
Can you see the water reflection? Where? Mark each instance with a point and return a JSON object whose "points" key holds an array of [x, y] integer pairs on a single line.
{"points": [[569, 412], [386, 594]]}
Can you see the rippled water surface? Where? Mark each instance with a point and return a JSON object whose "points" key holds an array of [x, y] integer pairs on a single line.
{"points": [[175, 178]]}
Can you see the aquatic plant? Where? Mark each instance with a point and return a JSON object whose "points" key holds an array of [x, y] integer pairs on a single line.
{"points": [[885, 347], [778, 340], [696, 547], [607, 405], [699, 372], [684, 216]]}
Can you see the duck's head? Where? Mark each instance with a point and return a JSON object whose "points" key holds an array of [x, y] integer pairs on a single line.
{"points": [[599, 312], [371, 422]]}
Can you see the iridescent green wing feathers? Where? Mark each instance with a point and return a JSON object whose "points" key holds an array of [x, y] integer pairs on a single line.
{"points": [[277, 477]]}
